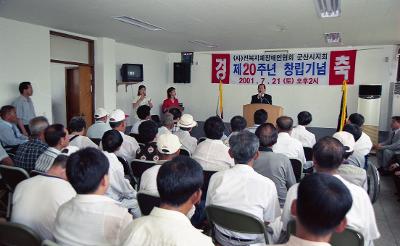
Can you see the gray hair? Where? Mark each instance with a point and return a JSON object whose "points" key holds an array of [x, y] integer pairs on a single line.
{"points": [[37, 125], [244, 146], [168, 119]]}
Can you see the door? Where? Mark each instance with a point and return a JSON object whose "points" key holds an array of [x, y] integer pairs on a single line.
{"points": [[79, 93]]}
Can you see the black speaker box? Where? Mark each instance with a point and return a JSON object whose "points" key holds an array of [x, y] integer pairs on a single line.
{"points": [[182, 72]]}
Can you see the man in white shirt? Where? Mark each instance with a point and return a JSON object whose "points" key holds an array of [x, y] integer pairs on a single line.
{"points": [[179, 183], [167, 124], [100, 125], [143, 112], [286, 144], [243, 189], [168, 145], [76, 129], [129, 145], [90, 218], [320, 210], [186, 124], [36, 200], [238, 123], [260, 117], [300, 132], [328, 156], [363, 144], [56, 136], [120, 188], [212, 153]]}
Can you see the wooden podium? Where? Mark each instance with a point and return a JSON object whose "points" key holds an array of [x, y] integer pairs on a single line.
{"points": [[273, 112]]}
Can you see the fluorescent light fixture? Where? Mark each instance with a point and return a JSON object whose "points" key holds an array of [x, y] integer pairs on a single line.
{"points": [[138, 23], [328, 8], [203, 43], [333, 37]]}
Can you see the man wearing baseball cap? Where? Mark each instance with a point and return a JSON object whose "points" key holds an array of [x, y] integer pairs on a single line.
{"points": [[129, 145], [168, 145], [186, 124], [100, 126], [349, 172]]}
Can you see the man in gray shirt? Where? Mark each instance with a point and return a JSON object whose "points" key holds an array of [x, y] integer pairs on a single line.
{"points": [[24, 106], [275, 166]]}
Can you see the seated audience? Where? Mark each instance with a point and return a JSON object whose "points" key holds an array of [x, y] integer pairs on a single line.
{"points": [[389, 148], [28, 153], [100, 125], [356, 158], [90, 218], [212, 153], [168, 146], [76, 129], [147, 134], [363, 144], [243, 189], [56, 137], [36, 200], [274, 166], [129, 145], [9, 132], [179, 183], [143, 112], [260, 117], [306, 138], [286, 144], [167, 124], [5, 158], [350, 172], [238, 123], [328, 155], [320, 210], [177, 115], [186, 124], [119, 188]]}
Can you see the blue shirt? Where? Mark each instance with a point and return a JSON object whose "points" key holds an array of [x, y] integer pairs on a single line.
{"points": [[10, 134]]}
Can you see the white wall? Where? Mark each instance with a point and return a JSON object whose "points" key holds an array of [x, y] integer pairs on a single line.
{"points": [[200, 96], [67, 49], [155, 72], [25, 56]]}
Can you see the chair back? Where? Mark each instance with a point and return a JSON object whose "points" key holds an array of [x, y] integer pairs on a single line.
{"points": [[96, 141], [12, 176], [147, 202], [18, 235], [374, 182], [206, 176], [140, 166], [236, 220], [297, 169], [184, 152], [348, 237], [34, 173], [308, 153]]}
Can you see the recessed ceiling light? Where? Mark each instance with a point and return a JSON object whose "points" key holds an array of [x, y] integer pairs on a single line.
{"points": [[333, 37], [203, 43], [328, 8], [138, 23]]}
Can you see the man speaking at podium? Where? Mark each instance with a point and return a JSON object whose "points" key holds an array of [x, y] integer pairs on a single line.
{"points": [[261, 97]]}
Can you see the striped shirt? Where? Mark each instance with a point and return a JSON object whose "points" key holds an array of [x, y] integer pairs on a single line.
{"points": [[28, 153], [46, 159]]}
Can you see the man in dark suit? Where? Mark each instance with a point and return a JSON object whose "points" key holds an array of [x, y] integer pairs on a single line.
{"points": [[261, 97], [389, 148]]}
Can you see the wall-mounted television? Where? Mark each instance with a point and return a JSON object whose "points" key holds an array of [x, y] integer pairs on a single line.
{"points": [[132, 72]]}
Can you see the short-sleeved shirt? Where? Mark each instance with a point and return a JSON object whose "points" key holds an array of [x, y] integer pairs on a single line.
{"points": [[290, 147], [81, 142], [28, 153], [97, 130], [169, 103], [46, 159], [212, 154], [24, 108], [188, 142], [306, 138], [148, 152]]}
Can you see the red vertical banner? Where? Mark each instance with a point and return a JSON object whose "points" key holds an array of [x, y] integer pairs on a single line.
{"points": [[220, 68], [342, 66]]}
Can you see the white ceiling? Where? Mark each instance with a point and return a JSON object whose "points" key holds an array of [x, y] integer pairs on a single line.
{"points": [[231, 24]]}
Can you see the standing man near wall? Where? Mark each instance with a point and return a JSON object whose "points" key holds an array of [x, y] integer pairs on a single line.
{"points": [[24, 106]]}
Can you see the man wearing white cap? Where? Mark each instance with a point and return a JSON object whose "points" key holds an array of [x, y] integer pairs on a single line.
{"points": [[168, 145], [129, 145], [186, 124], [100, 126], [349, 172]]}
